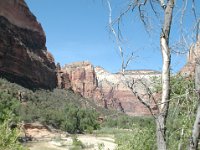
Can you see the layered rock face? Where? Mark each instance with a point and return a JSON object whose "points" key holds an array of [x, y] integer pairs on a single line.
{"points": [[80, 77], [23, 55], [117, 92], [107, 89], [193, 54]]}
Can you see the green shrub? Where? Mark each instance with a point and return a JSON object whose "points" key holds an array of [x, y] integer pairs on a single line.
{"points": [[8, 136], [124, 121], [182, 111], [79, 120], [59, 108], [140, 138], [101, 146], [77, 144]]}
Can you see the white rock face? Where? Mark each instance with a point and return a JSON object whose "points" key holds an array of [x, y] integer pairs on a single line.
{"points": [[117, 78], [116, 86]]}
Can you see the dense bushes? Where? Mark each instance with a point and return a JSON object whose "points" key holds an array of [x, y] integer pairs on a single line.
{"points": [[139, 138], [123, 121], [182, 111], [131, 133], [8, 136], [79, 120], [60, 108], [182, 108], [51, 109]]}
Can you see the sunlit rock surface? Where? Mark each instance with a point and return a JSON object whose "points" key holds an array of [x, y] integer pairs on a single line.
{"points": [[108, 90], [193, 54]]}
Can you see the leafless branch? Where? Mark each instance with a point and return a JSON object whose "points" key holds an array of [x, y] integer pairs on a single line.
{"points": [[131, 86], [149, 92], [141, 12], [152, 7], [197, 29], [115, 35], [130, 7], [194, 10], [162, 3], [129, 60], [117, 38], [196, 19], [181, 47], [183, 11]]}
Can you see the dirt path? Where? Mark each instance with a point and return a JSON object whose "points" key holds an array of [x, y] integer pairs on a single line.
{"points": [[43, 139], [91, 142], [106, 143]]}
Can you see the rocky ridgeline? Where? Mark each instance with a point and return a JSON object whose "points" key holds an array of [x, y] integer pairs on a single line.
{"points": [[108, 90]]}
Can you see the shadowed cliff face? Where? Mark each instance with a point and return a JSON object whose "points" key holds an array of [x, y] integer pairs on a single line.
{"points": [[24, 58]]}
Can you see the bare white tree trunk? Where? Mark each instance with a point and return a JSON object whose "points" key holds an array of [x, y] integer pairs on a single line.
{"points": [[161, 117], [196, 128], [163, 108]]}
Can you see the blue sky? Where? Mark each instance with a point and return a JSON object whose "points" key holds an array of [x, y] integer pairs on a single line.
{"points": [[77, 30]]}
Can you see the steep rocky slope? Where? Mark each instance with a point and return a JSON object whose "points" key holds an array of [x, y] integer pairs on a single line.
{"points": [[194, 52], [107, 89], [24, 59], [23, 55]]}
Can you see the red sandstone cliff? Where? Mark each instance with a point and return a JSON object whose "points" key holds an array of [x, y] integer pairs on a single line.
{"points": [[108, 90], [23, 55], [80, 77]]}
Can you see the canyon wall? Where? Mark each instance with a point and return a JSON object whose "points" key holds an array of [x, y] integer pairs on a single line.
{"points": [[24, 58], [106, 89]]}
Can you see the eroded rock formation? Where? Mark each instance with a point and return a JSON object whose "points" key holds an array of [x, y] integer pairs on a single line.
{"points": [[193, 54], [24, 59], [80, 77], [107, 89], [119, 96], [23, 55]]}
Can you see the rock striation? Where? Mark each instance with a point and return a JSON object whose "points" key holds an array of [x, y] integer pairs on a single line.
{"points": [[118, 94], [80, 77], [23, 55], [106, 89]]}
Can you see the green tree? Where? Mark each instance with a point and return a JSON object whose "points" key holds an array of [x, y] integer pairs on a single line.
{"points": [[8, 136]]}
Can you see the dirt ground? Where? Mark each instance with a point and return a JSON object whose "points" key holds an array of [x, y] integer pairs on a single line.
{"points": [[46, 140]]}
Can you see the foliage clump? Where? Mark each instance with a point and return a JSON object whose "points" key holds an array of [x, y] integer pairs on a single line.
{"points": [[59, 108], [182, 111], [139, 138], [8, 136]]}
